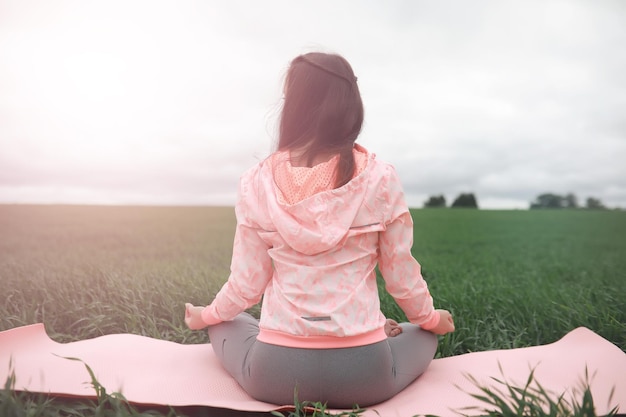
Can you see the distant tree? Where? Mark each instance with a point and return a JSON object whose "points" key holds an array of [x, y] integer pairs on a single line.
{"points": [[435, 201], [548, 200], [595, 204], [467, 200], [571, 201]]}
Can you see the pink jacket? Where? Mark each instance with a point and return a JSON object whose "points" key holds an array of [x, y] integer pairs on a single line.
{"points": [[314, 261]]}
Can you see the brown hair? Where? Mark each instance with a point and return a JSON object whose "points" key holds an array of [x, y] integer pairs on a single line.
{"points": [[322, 112]]}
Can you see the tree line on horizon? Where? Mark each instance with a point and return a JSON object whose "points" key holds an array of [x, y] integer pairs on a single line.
{"points": [[542, 201], [568, 201], [466, 200]]}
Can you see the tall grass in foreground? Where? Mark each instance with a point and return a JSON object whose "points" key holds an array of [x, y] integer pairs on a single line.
{"points": [[530, 400], [510, 278], [505, 400]]}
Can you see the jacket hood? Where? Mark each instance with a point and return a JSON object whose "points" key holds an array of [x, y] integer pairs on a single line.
{"points": [[320, 222]]}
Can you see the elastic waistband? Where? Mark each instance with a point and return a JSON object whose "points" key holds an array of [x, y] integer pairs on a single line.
{"points": [[274, 337]]}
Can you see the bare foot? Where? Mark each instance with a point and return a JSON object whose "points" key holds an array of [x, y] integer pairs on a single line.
{"points": [[392, 328]]}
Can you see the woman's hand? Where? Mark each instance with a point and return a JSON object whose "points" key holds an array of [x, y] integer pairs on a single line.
{"points": [[193, 317], [446, 324], [392, 328]]}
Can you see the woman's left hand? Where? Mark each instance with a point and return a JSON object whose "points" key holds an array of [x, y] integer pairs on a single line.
{"points": [[392, 328], [193, 317]]}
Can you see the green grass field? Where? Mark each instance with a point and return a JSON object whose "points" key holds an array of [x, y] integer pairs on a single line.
{"points": [[510, 278]]}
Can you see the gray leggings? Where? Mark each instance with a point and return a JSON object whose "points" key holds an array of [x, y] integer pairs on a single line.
{"points": [[341, 378]]}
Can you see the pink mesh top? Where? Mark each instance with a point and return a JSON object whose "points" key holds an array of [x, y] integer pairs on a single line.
{"points": [[298, 183]]}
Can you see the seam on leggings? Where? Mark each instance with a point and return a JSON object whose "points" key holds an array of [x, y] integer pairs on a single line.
{"points": [[245, 365]]}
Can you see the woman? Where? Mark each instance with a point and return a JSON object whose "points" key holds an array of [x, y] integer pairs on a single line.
{"points": [[313, 221]]}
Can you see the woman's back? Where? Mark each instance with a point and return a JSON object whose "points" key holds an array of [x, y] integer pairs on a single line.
{"points": [[313, 222]]}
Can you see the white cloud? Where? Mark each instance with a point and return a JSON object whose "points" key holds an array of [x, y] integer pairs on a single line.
{"points": [[167, 101]]}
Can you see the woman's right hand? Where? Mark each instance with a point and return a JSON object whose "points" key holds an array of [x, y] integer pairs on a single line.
{"points": [[446, 324]]}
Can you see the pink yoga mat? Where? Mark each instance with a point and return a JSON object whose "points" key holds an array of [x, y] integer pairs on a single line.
{"points": [[152, 371]]}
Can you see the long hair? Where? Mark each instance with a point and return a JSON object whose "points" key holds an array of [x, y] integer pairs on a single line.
{"points": [[322, 111]]}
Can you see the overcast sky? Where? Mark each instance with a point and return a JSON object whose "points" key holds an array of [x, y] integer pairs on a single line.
{"points": [[168, 102]]}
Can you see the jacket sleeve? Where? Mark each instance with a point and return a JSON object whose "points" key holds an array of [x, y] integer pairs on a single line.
{"points": [[250, 270], [400, 270]]}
